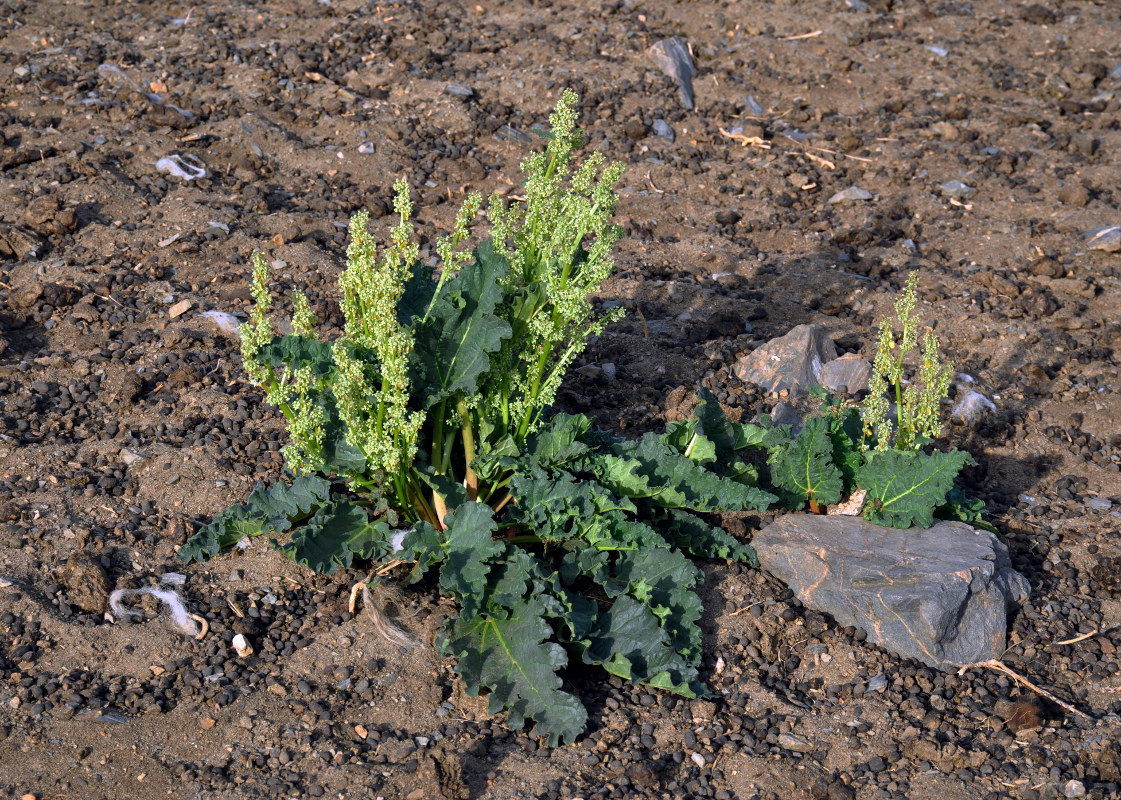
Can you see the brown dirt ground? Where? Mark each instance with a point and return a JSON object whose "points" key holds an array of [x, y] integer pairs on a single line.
{"points": [[303, 112]]}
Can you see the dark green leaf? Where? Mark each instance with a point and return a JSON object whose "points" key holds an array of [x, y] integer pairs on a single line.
{"points": [[803, 470], [698, 538], [846, 432], [334, 535], [961, 507], [296, 352], [512, 656], [662, 579], [272, 510], [650, 469], [904, 488], [469, 544], [629, 642], [453, 347]]}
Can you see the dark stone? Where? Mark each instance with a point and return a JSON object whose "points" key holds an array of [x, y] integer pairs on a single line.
{"points": [[938, 595], [790, 363], [728, 217], [634, 129], [672, 56], [86, 583]]}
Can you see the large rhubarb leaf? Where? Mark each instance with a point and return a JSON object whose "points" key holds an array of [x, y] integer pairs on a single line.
{"points": [[653, 470], [336, 534], [274, 509], [630, 642], [904, 488], [511, 656], [453, 346], [803, 470], [709, 437]]}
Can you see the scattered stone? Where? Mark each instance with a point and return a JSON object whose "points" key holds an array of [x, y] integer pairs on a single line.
{"points": [[663, 130], [790, 363], [634, 129], [86, 583], [1100, 503], [1075, 194], [852, 194], [19, 243], [206, 723], [1074, 789], [957, 190], [1107, 238], [752, 107], [786, 414], [86, 312], [938, 595], [460, 90], [728, 217], [848, 374], [511, 134], [179, 309], [795, 743], [672, 56], [242, 646]]}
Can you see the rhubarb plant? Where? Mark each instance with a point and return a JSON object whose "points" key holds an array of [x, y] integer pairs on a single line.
{"points": [[425, 435]]}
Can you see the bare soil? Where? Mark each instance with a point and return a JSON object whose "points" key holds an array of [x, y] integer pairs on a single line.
{"points": [[126, 420]]}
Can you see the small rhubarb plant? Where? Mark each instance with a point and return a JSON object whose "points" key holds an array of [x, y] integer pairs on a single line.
{"points": [[424, 438]]}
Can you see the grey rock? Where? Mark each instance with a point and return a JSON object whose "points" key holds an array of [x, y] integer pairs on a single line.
{"points": [[513, 135], [795, 743], [1074, 789], [853, 194], [938, 595], [460, 90], [789, 363], [847, 374], [662, 129], [752, 107], [957, 190], [672, 57], [1100, 503], [1106, 237], [786, 414]]}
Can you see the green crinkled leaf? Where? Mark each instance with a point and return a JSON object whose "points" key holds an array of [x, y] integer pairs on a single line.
{"points": [[274, 509], [803, 470], [453, 347], [846, 433], [663, 579], [904, 488], [556, 506], [970, 510], [295, 352], [651, 469], [339, 454], [469, 544], [558, 442], [630, 642], [511, 655], [709, 437], [698, 538], [336, 534]]}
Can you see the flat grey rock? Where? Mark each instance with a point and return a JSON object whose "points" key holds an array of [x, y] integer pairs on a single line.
{"points": [[847, 374], [853, 194], [939, 595], [790, 363]]}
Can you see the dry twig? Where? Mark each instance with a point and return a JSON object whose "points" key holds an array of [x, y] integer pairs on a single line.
{"points": [[993, 664]]}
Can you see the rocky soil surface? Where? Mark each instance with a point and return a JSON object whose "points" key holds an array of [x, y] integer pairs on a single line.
{"points": [[146, 149]]}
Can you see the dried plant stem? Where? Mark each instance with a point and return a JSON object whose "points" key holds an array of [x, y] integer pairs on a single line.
{"points": [[993, 664]]}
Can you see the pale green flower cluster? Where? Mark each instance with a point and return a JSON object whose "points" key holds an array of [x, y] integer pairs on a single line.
{"points": [[374, 409], [918, 403], [559, 239], [295, 393], [257, 332]]}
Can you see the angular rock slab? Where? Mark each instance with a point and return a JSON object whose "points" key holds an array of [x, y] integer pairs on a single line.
{"points": [[939, 595], [848, 374], [789, 363]]}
